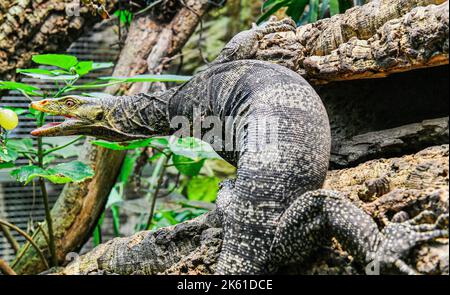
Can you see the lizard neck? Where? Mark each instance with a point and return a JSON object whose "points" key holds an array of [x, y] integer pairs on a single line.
{"points": [[141, 115]]}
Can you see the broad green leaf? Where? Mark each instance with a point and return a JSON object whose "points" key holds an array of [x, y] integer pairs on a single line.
{"points": [[187, 166], [74, 171], [55, 75], [149, 78], [8, 154], [28, 89], [193, 148], [203, 188], [25, 144], [59, 60], [84, 67]]}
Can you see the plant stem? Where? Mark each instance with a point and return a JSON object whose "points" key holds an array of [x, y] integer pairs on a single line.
{"points": [[13, 242], [27, 237], [49, 151], [48, 217], [155, 185], [6, 269]]}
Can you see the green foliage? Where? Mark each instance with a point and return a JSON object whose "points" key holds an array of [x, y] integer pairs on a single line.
{"points": [[203, 188], [125, 16], [74, 171], [304, 11]]}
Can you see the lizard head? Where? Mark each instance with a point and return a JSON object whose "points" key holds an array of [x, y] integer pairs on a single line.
{"points": [[83, 116], [114, 118]]}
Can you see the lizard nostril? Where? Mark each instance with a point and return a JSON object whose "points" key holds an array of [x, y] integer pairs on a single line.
{"points": [[43, 102]]}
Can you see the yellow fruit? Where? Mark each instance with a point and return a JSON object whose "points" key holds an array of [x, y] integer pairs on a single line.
{"points": [[8, 119]]}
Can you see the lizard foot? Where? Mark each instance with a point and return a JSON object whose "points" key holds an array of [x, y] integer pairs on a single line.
{"points": [[400, 238]]}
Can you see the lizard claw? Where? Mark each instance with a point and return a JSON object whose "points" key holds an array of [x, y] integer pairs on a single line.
{"points": [[400, 238]]}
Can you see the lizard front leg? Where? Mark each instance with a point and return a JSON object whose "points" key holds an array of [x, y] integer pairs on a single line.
{"points": [[245, 44], [323, 214]]}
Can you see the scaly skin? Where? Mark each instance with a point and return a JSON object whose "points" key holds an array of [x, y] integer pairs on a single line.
{"points": [[273, 213]]}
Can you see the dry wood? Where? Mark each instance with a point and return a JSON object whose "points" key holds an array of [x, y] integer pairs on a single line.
{"points": [[390, 142], [373, 40]]}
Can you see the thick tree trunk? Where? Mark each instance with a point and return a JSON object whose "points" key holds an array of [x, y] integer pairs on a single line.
{"points": [[78, 207], [381, 187], [31, 27]]}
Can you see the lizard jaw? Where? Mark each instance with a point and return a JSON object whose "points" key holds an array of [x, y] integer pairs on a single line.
{"points": [[59, 128]]}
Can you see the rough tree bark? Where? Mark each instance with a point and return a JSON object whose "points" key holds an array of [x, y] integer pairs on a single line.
{"points": [[78, 207], [381, 187], [31, 27], [373, 40]]}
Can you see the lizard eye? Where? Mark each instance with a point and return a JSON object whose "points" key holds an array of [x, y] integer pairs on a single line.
{"points": [[70, 103]]}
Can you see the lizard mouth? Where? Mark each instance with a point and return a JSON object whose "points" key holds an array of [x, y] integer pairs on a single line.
{"points": [[57, 128], [67, 127]]}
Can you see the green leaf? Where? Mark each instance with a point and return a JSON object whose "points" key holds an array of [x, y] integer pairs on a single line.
{"points": [[131, 145], [149, 78], [8, 155], [127, 168], [313, 10], [101, 65], [124, 16], [25, 144], [28, 89], [55, 75], [344, 5], [97, 234], [84, 67], [59, 60], [203, 188], [269, 3], [123, 146], [334, 7], [74, 171], [193, 148], [272, 10], [296, 9], [187, 166], [116, 220], [114, 197]]}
